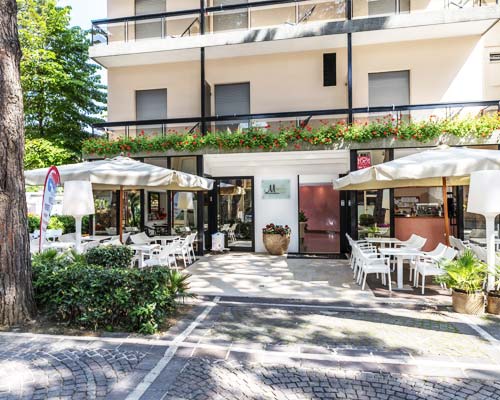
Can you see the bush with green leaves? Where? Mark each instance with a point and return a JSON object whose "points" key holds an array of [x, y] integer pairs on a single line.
{"points": [[64, 222], [110, 256], [465, 274], [92, 296]]}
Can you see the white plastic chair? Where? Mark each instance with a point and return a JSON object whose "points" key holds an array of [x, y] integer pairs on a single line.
{"points": [[90, 245], [68, 238], [231, 233], [436, 254], [480, 252], [431, 266], [414, 242], [192, 239], [165, 257], [182, 250], [141, 238], [53, 234], [375, 265]]}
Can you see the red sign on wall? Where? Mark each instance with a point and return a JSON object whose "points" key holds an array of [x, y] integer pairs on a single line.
{"points": [[364, 161]]}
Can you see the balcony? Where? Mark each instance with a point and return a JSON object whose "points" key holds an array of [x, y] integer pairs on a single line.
{"points": [[176, 35], [379, 127]]}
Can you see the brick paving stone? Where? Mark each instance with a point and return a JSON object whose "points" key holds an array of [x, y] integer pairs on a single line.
{"points": [[205, 379], [420, 333], [37, 369]]}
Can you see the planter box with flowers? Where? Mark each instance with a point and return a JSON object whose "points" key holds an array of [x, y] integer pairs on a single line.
{"points": [[276, 239]]}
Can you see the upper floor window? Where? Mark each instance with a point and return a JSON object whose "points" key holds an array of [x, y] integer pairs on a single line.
{"points": [[388, 88], [330, 69], [151, 104], [381, 7], [232, 99], [149, 28]]}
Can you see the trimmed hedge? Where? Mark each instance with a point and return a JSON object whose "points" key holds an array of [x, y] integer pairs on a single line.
{"points": [[93, 296], [110, 256]]}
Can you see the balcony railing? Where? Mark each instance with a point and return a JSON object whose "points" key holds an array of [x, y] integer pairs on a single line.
{"points": [[274, 122], [258, 14]]}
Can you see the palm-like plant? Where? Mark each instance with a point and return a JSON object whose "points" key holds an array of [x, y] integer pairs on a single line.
{"points": [[178, 285], [465, 274]]}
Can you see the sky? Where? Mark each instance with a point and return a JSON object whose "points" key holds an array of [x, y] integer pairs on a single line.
{"points": [[83, 12]]}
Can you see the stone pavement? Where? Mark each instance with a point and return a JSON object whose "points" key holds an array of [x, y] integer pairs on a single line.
{"points": [[234, 348], [265, 276]]}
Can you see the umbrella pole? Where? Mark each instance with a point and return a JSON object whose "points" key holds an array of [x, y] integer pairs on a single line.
{"points": [[120, 219], [445, 210]]}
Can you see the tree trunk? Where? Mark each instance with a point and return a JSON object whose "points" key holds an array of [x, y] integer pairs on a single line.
{"points": [[16, 292]]}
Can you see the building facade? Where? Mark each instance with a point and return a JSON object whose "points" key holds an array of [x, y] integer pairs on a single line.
{"points": [[229, 68]]}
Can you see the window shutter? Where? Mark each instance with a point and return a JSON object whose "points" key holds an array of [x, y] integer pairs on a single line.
{"points": [[232, 99], [330, 69], [387, 88], [143, 7], [151, 104]]}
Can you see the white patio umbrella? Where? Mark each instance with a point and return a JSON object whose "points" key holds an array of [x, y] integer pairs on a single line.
{"points": [[442, 166], [123, 173]]}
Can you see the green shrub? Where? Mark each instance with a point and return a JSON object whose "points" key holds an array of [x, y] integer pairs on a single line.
{"points": [[466, 273], [110, 256], [64, 222], [95, 297]]}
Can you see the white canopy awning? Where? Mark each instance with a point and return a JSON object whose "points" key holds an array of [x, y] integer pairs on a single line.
{"points": [[425, 169], [123, 172]]}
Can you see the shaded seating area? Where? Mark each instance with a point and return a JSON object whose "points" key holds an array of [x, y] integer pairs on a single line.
{"points": [[120, 174], [368, 258]]}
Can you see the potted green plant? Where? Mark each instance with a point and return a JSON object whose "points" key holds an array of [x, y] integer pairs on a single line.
{"points": [[493, 296], [302, 223], [465, 276], [276, 239], [373, 231]]}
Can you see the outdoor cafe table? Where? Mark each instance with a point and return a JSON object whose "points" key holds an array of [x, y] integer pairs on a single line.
{"points": [[165, 239], [142, 250], [482, 242], [400, 254], [95, 238], [383, 241]]}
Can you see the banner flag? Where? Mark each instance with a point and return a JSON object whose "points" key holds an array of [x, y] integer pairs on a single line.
{"points": [[52, 180]]}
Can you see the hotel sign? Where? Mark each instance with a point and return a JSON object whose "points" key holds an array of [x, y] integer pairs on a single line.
{"points": [[278, 189]]}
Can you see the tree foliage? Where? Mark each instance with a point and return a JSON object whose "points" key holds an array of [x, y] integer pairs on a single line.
{"points": [[63, 94], [40, 153]]}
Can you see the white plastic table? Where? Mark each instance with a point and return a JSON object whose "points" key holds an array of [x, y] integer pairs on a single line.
{"points": [[383, 241], [95, 238], [165, 239], [400, 255], [143, 250]]}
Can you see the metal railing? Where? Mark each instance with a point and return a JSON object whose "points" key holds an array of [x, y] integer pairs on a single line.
{"points": [[257, 14], [274, 121]]}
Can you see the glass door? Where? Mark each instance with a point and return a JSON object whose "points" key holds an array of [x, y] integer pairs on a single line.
{"points": [[319, 215], [235, 212]]}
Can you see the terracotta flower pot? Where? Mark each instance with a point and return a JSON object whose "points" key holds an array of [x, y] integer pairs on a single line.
{"points": [[472, 304], [276, 245], [493, 303]]}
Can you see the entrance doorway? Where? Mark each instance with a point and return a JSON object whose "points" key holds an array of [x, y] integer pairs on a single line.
{"points": [[319, 215], [235, 212]]}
